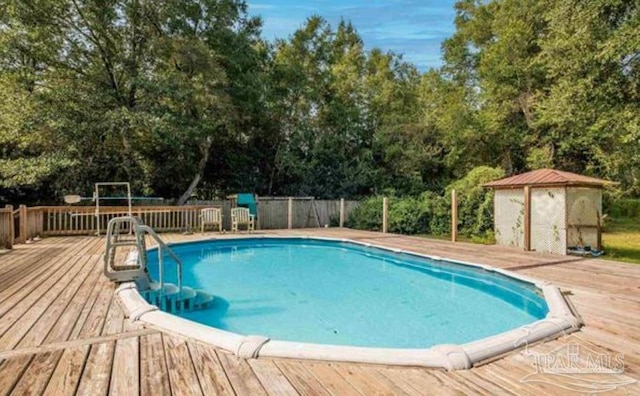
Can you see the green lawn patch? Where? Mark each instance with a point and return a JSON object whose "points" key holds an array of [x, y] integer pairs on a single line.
{"points": [[621, 240]]}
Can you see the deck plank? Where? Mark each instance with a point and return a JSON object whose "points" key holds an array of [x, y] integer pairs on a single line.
{"points": [[19, 299], [331, 379], [22, 254], [71, 317], [154, 377], [211, 375], [96, 375], [14, 327], [379, 374], [125, 377], [33, 263], [182, 374], [11, 370], [272, 379], [364, 383], [42, 327], [62, 332], [66, 376], [37, 375], [18, 266], [305, 382], [241, 376], [415, 380]]}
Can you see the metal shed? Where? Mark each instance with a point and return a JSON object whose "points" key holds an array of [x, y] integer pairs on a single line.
{"points": [[548, 210]]}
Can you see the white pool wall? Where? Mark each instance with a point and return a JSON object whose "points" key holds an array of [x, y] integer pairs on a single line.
{"points": [[559, 321]]}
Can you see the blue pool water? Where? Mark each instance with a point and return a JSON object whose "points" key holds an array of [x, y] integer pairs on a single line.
{"points": [[341, 293]]}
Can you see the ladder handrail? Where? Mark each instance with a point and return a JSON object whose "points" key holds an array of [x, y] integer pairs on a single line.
{"points": [[139, 230], [154, 292], [163, 247]]}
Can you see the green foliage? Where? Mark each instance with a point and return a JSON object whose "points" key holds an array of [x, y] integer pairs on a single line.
{"points": [[475, 203], [406, 216], [112, 90], [430, 213], [183, 96], [624, 209], [367, 216]]}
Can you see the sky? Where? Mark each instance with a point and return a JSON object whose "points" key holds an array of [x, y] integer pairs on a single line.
{"points": [[414, 28]]}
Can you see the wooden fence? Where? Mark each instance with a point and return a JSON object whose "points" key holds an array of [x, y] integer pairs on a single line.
{"points": [[24, 223], [275, 213]]}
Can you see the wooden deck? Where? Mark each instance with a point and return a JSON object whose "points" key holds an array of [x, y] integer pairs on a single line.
{"points": [[62, 332]]}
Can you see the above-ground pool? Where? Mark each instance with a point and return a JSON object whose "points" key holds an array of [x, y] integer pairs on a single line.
{"points": [[315, 298], [333, 292]]}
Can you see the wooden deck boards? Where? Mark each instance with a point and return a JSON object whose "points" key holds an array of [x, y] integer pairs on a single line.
{"points": [[62, 332]]}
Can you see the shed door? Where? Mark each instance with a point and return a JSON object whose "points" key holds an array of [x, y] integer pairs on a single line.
{"points": [[548, 219], [584, 206]]}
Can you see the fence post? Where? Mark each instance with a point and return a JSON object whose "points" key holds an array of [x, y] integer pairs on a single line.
{"points": [[527, 218], [23, 223], [12, 231], [454, 216], [257, 225], [290, 213], [341, 212], [385, 214]]}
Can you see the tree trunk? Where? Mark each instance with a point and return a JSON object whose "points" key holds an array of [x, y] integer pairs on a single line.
{"points": [[204, 149]]}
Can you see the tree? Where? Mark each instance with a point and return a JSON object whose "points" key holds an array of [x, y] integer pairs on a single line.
{"points": [[122, 86], [183, 98], [324, 146], [592, 57]]}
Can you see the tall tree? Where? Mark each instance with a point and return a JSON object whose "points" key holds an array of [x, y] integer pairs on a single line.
{"points": [[590, 108], [124, 85]]}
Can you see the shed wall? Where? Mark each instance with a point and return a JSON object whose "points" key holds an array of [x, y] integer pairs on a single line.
{"points": [[548, 220], [584, 209], [509, 217]]}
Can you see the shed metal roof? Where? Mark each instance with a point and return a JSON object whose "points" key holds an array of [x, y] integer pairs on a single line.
{"points": [[548, 177]]}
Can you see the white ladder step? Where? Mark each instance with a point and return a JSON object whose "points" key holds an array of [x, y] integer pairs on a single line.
{"points": [[187, 293], [171, 299], [202, 299]]}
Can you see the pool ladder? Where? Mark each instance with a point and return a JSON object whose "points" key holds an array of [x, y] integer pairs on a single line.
{"points": [[128, 231]]}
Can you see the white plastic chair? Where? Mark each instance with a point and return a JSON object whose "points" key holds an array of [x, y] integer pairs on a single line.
{"points": [[210, 216], [241, 216]]}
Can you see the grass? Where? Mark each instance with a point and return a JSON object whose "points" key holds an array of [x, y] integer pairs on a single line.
{"points": [[621, 240], [461, 238]]}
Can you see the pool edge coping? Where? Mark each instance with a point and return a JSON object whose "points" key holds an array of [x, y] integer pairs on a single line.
{"points": [[559, 321]]}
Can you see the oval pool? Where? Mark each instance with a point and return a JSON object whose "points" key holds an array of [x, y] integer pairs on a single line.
{"points": [[342, 293]]}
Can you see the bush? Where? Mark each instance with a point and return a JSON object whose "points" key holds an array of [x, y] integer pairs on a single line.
{"points": [[426, 214], [475, 203], [439, 210], [430, 213], [405, 216], [367, 216], [624, 208]]}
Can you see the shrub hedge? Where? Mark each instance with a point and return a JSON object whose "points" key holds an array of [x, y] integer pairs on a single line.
{"points": [[624, 208], [430, 213]]}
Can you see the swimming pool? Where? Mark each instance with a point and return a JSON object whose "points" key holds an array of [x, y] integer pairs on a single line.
{"points": [[333, 292], [340, 300]]}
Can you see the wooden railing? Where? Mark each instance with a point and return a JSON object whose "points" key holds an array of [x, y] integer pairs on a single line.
{"points": [[6, 227], [82, 220], [25, 223]]}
